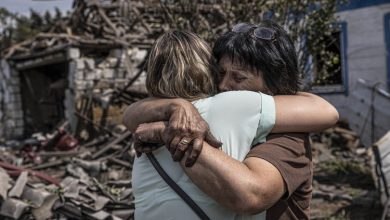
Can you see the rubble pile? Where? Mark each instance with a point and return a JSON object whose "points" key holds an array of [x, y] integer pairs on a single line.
{"points": [[98, 24], [343, 183], [91, 181], [59, 175], [82, 169], [81, 176]]}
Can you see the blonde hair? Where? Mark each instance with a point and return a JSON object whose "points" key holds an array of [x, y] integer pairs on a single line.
{"points": [[181, 65]]}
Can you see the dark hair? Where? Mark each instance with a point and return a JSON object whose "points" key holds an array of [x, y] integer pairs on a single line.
{"points": [[276, 59]]}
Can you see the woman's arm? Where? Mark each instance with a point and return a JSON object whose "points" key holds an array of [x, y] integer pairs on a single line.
{"points": [[154, 109], [185, 123], [303, 112]]}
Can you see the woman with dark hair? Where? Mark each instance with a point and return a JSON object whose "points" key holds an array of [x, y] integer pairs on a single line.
{"points": [[181, 66]]}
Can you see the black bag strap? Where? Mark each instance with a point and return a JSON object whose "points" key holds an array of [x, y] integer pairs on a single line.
{"points": [[187, 199]]}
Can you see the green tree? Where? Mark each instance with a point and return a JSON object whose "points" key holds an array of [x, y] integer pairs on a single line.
{"points": [[308, 22], [16, 28]]}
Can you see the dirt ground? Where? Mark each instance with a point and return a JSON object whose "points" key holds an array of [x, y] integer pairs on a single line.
{"points": [[343, 183]]}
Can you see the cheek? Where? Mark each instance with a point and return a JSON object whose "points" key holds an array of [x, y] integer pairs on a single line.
{"points": [[252, 85], [259, 85], [244, 85]]}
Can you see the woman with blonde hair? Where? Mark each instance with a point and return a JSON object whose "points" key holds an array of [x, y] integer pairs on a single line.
{"points": [[181, 65]]}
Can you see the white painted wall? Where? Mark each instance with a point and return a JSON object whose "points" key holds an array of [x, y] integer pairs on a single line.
{"points": [[366, 54]]}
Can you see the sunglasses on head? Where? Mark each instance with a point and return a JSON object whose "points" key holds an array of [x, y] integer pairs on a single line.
{"points": [[263, 33]]}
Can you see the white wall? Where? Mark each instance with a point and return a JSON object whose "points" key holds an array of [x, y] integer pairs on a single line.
{"points": [[366, 53]]}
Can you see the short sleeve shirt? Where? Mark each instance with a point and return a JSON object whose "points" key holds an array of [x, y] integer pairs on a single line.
{"points": [[237, 119], [290, 153]]}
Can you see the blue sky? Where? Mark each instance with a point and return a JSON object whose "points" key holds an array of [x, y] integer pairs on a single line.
{"points": [[23, 6]]}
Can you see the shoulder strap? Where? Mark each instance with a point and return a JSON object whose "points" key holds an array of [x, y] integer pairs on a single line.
{"points": [[187, 199]]}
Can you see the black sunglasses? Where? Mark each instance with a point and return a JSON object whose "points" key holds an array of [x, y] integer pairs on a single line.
{"points": [[259, 32]]}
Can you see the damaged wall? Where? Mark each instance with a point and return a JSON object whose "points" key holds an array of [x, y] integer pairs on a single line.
{"points": [[88, 73], [100, 76], [11, 114]]}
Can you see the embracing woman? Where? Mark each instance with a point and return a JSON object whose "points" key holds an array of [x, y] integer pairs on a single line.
{"points": [[181, 65]]}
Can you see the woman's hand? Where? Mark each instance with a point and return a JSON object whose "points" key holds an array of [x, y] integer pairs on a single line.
{"points": [[147, 137], [186, 131]]}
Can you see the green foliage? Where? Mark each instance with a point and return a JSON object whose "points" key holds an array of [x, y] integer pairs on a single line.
{"points": [[343, 167], [15, 28], [309, 23]]}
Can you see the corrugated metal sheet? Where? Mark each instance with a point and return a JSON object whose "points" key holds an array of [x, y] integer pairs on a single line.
{"points": [[369, 103], [381, 160]]}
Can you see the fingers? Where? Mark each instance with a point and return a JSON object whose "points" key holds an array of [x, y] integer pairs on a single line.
{"points": [[181, 149], [212, 141], [174, 144], [141, 147], [197, 146]]}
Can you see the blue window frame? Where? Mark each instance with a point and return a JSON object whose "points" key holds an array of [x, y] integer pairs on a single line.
{"points": [[341, 27], [343, 54], [387, 41]]}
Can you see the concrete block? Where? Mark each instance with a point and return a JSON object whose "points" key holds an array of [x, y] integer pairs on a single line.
{"points": [[90, 75], [112, 61], [13, 106], [131, 74], [10, 123], [5, 69], [13, 98], [108, 73], [79, 75], [89, 84], [98, 73], [80, 63], [72, 67], [69, 99], [17, 132], [89, 64], [6, 95], [71, 83], [103, 65], [103, 84], [80, 84], [120, 74], [16, 114], [73, 53], [19, 123], [140, 55]]}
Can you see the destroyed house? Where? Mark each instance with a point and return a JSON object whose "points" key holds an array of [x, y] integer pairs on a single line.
{"points": [[360, 91], [44, 80]]}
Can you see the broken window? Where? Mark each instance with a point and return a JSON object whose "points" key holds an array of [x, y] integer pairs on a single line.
{"points": [[329, 67]]}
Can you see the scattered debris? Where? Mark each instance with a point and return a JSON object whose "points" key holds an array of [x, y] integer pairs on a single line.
{"points": [[72, 183], [343, 185], [85, 172]]}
